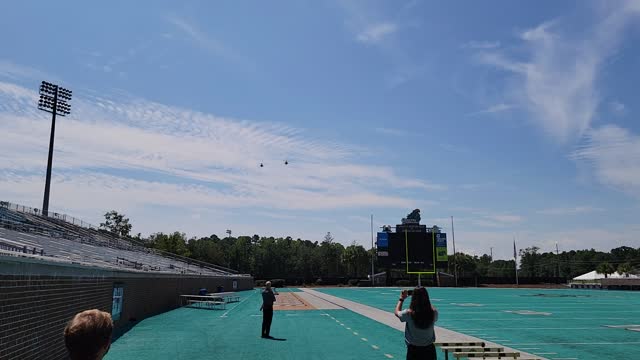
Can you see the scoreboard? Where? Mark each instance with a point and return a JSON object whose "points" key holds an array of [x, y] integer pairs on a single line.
{"points": [[414, 252]]}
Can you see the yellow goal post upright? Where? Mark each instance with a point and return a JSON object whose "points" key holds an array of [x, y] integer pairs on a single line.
{"points": [[433, 246]]}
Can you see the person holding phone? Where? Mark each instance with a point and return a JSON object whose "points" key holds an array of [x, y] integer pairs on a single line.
{"points": [[419, 319], [268, 298]]}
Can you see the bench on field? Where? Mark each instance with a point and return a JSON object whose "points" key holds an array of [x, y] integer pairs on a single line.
{"points": [[202, 301], [207, 304], [486, 355], [227, 297], [459, 344], [468, 349]]}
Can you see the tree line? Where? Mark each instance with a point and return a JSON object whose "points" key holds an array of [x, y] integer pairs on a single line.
{"points": [[285, 257], [536, 264]]}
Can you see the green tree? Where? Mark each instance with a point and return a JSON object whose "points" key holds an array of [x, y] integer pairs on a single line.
{"points": [[625, 269], [529, 260], [175, 243], [606, 269], [356, 260], [116, 223], [205, 249]]}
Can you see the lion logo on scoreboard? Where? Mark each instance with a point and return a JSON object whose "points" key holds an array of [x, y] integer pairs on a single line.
{"points": [[413, 217]]}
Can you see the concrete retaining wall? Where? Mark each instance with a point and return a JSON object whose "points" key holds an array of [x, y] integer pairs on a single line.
{"points": [[38, 298]]}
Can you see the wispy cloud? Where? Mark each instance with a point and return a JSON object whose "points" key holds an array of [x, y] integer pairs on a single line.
{"points": [[379, 28], [475, 45], [493, 109], [134, 153], [13, 71], [617, 108], [557, 81], [394, 132], [570, 211], [484, 218], [614, 154], [375, 33], [207, 41]]}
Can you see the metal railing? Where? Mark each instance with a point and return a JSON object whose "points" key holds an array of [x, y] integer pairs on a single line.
{"points": [[55, 215]]}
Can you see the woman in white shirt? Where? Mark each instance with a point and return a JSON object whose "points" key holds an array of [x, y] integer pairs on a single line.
{"points": [[419, 318]]}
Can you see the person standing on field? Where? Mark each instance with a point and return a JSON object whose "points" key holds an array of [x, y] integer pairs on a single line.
{"points": [[268, 298], [419, 319]]}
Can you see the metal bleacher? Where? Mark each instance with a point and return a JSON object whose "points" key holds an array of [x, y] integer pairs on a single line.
{"points": [[24, 232]]}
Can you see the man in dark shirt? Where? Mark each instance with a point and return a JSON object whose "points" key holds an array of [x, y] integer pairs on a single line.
{"points": [[268, 298]]}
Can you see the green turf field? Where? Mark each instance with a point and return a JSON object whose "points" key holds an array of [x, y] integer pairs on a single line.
{"points": [[234, 333], [556, 324]]}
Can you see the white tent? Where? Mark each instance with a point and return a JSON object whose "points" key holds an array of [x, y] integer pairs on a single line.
{"points": [[594, 275]]}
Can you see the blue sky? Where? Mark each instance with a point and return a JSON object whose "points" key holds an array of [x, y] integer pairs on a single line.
{"points": [[518, 119]]}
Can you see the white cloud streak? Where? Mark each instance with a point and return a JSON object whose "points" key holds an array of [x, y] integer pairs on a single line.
{"points": [[482, 45], [614, 154], [498, 108], [617, 108], [136, 153], [557, 83], [376, 33], [577, 210], [208, 42]]}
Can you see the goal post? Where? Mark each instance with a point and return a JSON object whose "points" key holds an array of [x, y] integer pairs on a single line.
{"points": [[417, 259]]}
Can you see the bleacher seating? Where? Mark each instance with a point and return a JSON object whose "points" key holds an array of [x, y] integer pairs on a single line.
{"points": [[24, 231]]}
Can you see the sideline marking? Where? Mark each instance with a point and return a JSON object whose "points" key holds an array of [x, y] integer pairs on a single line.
{"points": [[621, 326], [245, 299], [581, 343], [527, 312]]}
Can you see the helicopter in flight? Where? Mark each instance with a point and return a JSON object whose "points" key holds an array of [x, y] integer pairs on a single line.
{"points": [[286, 162]]}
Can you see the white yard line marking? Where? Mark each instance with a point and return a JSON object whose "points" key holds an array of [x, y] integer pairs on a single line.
{"points": [[245, 299], [389, 356], [364, 339], [355, 333], [375, 347]]}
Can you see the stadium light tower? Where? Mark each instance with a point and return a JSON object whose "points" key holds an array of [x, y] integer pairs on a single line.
{"points": [[53, 99]]}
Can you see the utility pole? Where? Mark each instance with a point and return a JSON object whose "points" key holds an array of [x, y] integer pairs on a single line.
{"points": [[557, 261], [515, 257], [373, 254], [491, 252], [455, 267], [53, 99]]}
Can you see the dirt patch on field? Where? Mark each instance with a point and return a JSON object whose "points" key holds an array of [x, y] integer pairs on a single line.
{"points": [[291, 301]]}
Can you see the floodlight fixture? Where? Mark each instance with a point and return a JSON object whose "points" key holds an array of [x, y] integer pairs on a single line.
{"points": [[54, 100]]}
